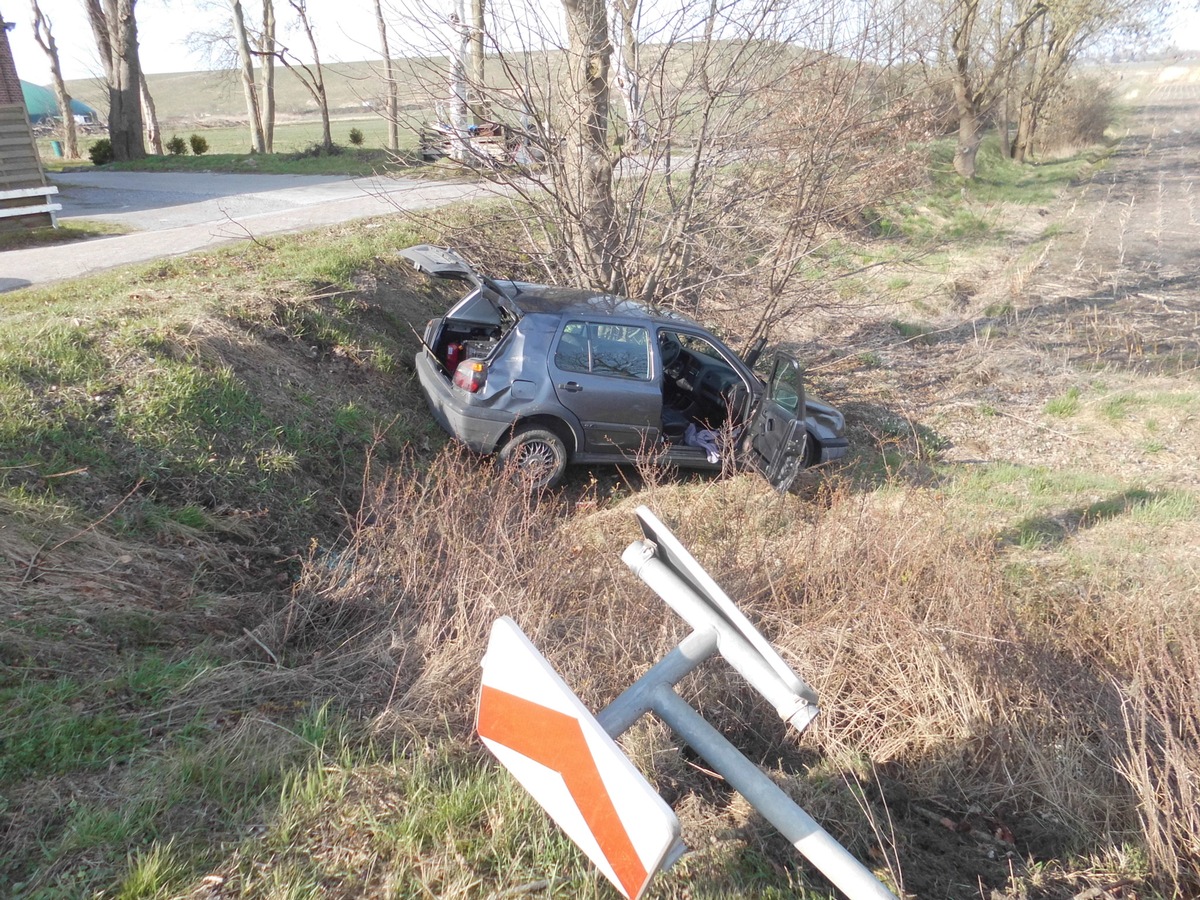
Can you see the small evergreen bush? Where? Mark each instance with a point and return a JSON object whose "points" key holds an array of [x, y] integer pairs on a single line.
{"points": [[356, 137], [199, 144], [177, 146], [101, 152]]}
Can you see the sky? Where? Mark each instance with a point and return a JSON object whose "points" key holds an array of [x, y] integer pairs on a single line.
{"points": [[346, 32], [345, 29]]}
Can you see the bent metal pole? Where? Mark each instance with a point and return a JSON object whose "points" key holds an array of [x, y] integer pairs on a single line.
{"points": [[814, 842], [655, 691]]}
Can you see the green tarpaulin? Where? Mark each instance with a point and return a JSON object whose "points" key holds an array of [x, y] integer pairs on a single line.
{"points": [[41, 103]]}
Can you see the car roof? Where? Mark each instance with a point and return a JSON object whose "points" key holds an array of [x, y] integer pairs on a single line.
{"points": [[544, 298]]}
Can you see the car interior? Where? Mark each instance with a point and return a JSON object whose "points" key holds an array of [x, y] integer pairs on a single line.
{"points": [[699, 386]]}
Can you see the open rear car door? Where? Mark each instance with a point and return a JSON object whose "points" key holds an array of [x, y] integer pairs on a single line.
{"points": [[776, 440]]}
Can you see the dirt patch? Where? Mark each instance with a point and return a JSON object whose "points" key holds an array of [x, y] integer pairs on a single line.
{"points": [[1106, 308]]}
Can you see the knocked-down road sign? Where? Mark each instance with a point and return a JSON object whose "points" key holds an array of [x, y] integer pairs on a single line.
{"points": [[543, 734], [568, 760]]}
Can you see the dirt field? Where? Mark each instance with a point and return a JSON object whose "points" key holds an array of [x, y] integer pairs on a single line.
{"points": [[1106, 310]]}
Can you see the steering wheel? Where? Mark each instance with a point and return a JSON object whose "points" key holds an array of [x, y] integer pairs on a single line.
{"points": [[671, 349]]}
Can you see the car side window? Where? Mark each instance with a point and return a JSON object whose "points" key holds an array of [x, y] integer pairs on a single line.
{"points": [[572, 354], [786, 387], [604, 349]]}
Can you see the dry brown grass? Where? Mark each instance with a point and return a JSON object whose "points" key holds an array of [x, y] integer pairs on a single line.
{"points": [[941, 688]]}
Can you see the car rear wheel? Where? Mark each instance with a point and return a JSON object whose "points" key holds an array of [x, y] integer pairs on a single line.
{"points": [[535, 457]]}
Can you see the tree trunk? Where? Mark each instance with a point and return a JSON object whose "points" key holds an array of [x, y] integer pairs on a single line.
{"points": [[627, 74], [710, 22], [44, 35], [1002, 120], [970, 135], [589, 165], [479, 107], [458, 84], [1023, 143], [249, 88], [153, 132], [268, 75], [389, 76], [115, 30], [316, 77], [966, 100]]}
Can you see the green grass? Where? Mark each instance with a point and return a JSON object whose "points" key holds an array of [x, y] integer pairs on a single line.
{"points": [[353, 162], [296, 152], [1144, 508], [151, 873], [69, 723], [1065, 406], [109, 375], [966, 212], [153, 838], [1038, 508], [1121, 406], [999, 180], [915, 332]]}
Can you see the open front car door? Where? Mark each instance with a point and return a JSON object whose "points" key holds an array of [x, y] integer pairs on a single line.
{"points": [[776, 440]]}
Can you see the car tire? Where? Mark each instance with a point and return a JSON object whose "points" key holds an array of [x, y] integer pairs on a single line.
{"points": [[535, 457]]}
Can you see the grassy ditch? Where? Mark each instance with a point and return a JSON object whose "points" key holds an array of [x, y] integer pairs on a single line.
{"points": [[246, 588]]}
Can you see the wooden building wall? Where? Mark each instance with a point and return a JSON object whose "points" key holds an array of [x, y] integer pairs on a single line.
{"points": [[22, 180]]}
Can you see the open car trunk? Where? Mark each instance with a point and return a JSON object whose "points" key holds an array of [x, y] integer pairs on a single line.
{"points": [[473, 327]]}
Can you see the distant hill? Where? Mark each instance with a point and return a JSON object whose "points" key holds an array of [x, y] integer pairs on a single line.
{"points": [[352, 88]]}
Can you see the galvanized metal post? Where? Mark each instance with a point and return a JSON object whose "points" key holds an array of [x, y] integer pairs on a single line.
{"points": [[667, 568], [637, 700], [835, 862]]}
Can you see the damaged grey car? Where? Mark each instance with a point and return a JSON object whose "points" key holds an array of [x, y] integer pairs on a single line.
{"points": [[545, 377]]}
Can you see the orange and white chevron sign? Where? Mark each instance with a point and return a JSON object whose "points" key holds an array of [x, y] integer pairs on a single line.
{"points": [[542, 733]]}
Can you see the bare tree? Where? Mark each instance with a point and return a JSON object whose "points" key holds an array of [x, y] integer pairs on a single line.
{"points": [[43, 33], [311, 76], [627, 71], [150, 114], [234, 47], [266, 52], [749, 159], [459, 108], [249, 86], [981, 60], [1067, 29], [115, 29], [479, 111], [389, 78]]}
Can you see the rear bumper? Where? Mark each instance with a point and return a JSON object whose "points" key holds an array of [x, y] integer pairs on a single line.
{"points": [[480, 429]]}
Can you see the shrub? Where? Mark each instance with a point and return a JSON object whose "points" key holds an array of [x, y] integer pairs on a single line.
{"points": [[177, 146], [199, 144], [101, 152], [316, 151], [356, 137], [1077, 116]]}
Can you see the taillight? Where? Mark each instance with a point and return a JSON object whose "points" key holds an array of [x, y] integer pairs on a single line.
{"points": [[470, 375]]}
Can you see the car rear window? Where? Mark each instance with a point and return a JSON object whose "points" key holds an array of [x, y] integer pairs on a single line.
{"points": [[602, 348]]}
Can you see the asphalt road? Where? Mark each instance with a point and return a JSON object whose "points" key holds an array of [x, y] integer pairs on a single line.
{"points": [[180, 213]]}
